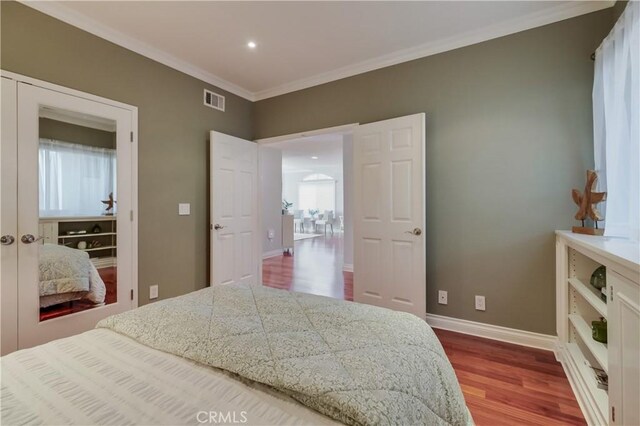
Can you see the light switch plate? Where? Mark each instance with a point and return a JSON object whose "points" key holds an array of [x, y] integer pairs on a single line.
{"points": [[153, 292], [184, 209]]}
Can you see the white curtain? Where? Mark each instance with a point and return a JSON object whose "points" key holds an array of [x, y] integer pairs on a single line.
{"points": [[616, 120], [74, 178], [319, 195]]}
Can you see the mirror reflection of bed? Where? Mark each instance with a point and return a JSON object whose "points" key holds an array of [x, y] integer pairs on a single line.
{"points": [[78, 221]]}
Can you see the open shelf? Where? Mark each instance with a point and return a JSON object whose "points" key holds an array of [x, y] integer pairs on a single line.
{"points": [[597, 349], [590, 295], [600, 397]]}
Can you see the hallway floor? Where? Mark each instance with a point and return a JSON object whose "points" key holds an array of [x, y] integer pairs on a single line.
{"points": [[315, 267]]}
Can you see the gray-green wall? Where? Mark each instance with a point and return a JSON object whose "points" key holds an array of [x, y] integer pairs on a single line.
{"points": [[508, 136], [173, 134], [509, 133], [67, 132]]}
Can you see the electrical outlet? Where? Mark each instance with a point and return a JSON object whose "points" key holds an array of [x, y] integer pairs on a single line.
{"points": [[271, 234], [442, 297], [184, 209], [480, 304], [153, 292]]}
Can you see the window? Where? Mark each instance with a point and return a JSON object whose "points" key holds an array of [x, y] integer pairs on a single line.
{"points": [[317, 192], [317, 176], [74, 179]]}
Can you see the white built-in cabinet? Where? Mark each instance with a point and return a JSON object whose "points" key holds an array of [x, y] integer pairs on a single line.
{"points": [[579, 303], [287, 232]]}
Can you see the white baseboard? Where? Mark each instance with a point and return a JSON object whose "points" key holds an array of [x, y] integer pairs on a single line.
{"points": [[272, 253], [495, 332], [347, 267]]}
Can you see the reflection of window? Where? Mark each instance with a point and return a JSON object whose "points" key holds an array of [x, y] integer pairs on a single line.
{"points": [[317, 192], [73, 178]]}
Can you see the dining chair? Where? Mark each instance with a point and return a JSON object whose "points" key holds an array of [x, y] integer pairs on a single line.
{"points": [[326, 219]]}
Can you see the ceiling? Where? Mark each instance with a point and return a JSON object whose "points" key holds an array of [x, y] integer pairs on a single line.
{"points": [[297, 153], [300, 44]]}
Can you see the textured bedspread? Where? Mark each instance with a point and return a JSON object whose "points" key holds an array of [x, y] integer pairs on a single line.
{"points": [[356, 363]]}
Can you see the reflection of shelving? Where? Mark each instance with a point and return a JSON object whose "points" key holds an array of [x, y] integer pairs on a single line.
{"points": [[64, 237], [55, 231], [99, 248]]}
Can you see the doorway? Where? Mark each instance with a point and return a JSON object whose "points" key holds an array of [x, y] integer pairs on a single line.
{"points": [[305, 191], [384, 220]]}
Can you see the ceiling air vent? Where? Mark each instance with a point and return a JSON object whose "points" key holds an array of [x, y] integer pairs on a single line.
{"points": [[213, 100]]}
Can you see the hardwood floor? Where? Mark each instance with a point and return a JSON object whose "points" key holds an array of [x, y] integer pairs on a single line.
{"points": [[315, 267], [503, 384]]}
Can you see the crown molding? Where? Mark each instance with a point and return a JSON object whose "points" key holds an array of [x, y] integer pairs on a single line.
{"points": [[538, 19], [59, 11], [558, 13]]}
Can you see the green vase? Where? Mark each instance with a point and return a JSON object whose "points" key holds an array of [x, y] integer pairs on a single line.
{"points": [[599, 278]]}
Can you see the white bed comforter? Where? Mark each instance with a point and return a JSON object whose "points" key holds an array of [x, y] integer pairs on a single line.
{"points": [[102, 377], [66, 271]]}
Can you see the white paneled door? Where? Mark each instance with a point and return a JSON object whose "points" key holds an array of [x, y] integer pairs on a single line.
{"points": [[44, 283], [389, 214], [9, 219], [234, 210]]}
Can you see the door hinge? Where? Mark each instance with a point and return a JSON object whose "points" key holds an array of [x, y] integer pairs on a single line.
{"points": [[613, 414], [611, 293], [131, 294], [131, 136], [131, 215]]}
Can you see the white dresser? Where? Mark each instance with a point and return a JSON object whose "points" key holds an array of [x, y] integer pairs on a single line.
{"points": [[578, 303]]}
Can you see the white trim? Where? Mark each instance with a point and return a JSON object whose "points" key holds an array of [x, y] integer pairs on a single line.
{"points": [[63, 13], [347, 267], [512, 26], [494, 332], [343, 129], [558, 13], [272, 253], [66, 90]]}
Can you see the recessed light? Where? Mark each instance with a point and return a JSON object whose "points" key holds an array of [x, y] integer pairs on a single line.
{"points": [[251, 45], [314, 158]]}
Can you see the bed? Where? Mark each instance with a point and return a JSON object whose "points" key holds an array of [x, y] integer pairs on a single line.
{"points": [[68, 274], [239, 354]]}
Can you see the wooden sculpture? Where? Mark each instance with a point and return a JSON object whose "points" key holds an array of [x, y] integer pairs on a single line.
{"points": [[109, 203], [586, 205]]}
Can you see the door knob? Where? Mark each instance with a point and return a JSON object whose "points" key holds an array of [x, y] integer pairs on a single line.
{"points": [[217, 227], [415, 231], [30, 239], [7, 240]]}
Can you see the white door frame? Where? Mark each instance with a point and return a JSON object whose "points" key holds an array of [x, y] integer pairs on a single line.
{"points": [[344, 129], [134, 162]]}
